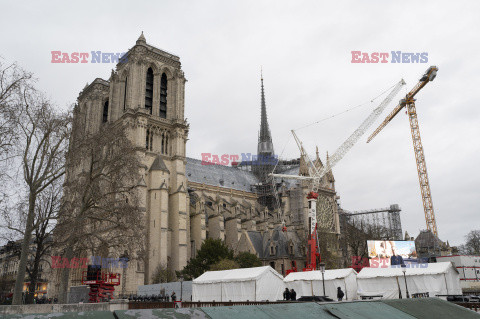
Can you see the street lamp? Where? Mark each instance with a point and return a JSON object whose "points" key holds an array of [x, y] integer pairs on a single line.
{"points": [[180, 278], [404, 269], [126, 258], [322, 269]]}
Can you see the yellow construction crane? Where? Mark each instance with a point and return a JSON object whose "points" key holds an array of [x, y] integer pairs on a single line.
{"points": [[409, 102]]}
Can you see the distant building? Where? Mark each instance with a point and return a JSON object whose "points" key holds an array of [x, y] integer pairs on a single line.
{"points": [[430, 246], [469, 268], [9, 261]]}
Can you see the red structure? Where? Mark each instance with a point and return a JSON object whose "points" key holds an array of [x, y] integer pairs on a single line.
{"points": [[312, 240], [102, 284], [293, 269], [313, 249]]}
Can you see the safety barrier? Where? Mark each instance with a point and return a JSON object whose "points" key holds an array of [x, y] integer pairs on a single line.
{"points": [[196, 304]]}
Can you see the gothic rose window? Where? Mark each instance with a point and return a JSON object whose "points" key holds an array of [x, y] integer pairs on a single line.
{"points": [[325, 213]]}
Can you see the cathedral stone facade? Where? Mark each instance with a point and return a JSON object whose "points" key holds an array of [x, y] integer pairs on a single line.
{"points": [[185, 201]]}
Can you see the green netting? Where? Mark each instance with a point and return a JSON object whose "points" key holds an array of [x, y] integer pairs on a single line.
{"points": [[236, 312], [182, 313], [277, 311], [432, 308], [364, 310], [427, 308], [296, 310]]}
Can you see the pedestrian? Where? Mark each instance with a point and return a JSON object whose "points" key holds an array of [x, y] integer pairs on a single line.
{"points": [[174, 296], [293, 295], [286, 294], [340, 294]]}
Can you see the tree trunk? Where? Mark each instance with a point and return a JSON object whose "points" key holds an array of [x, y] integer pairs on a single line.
{"points": [[33, 283], [34, 274], [22, 266], [65, 275]]}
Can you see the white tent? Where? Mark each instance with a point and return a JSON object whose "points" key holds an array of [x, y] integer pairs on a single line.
{"points": [[434, 278], [254, 284], [309, 283]]}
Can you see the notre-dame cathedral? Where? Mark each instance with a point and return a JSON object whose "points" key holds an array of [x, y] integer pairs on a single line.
{"points": [[187, 202]]}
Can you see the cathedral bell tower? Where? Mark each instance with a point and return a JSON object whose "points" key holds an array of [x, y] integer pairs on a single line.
{"points": [[147, 92]]}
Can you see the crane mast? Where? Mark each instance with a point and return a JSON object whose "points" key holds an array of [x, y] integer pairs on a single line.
{"points": [[409, 103]]}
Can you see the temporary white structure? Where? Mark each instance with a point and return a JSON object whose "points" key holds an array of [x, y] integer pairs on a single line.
{"points": [[254, 284], [309, 283], [434, 278]]}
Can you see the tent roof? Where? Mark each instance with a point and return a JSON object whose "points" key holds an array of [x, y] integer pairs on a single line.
{"points": [[431, 269], [241, 274], [330, 274]]}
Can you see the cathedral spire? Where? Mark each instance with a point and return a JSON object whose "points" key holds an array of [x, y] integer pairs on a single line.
{"points": [[265, 145]]}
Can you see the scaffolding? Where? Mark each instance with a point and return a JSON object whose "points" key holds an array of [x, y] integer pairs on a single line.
{"points": [[384, 223], [297, 209], [261, 167]]}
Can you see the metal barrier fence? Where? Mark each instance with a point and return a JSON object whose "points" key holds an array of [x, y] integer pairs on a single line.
{"points": [[475, 306], [196, 304], [421, 295]]}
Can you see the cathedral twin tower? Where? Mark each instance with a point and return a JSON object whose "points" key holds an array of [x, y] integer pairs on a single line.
{"points": [[146, 92]]}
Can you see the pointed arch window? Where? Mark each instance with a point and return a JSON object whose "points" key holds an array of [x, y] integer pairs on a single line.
{"points": [[163, 96], [149, 140], [125, 94], [149, 90], [163, 143], [164, 147], [105, 112]]}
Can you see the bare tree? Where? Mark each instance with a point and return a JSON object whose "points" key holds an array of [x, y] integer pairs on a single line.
{"points": [[354, 239], [41, 148], [46, 213], [101, 209], [48, 208], [13, 80], [163, 274], [472, 244]]}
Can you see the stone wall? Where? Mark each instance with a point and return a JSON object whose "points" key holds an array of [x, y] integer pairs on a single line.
{"points": [[54, 308]]}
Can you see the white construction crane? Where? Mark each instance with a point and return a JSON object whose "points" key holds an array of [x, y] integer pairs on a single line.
{"points": [[316, 174]]}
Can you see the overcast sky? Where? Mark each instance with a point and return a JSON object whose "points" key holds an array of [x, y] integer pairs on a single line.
{"points": [[305, 50]]}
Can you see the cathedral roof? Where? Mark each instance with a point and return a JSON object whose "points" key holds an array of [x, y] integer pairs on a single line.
{"points": [[220, 175], [280, 240], [157, 51], [159, 165]]}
